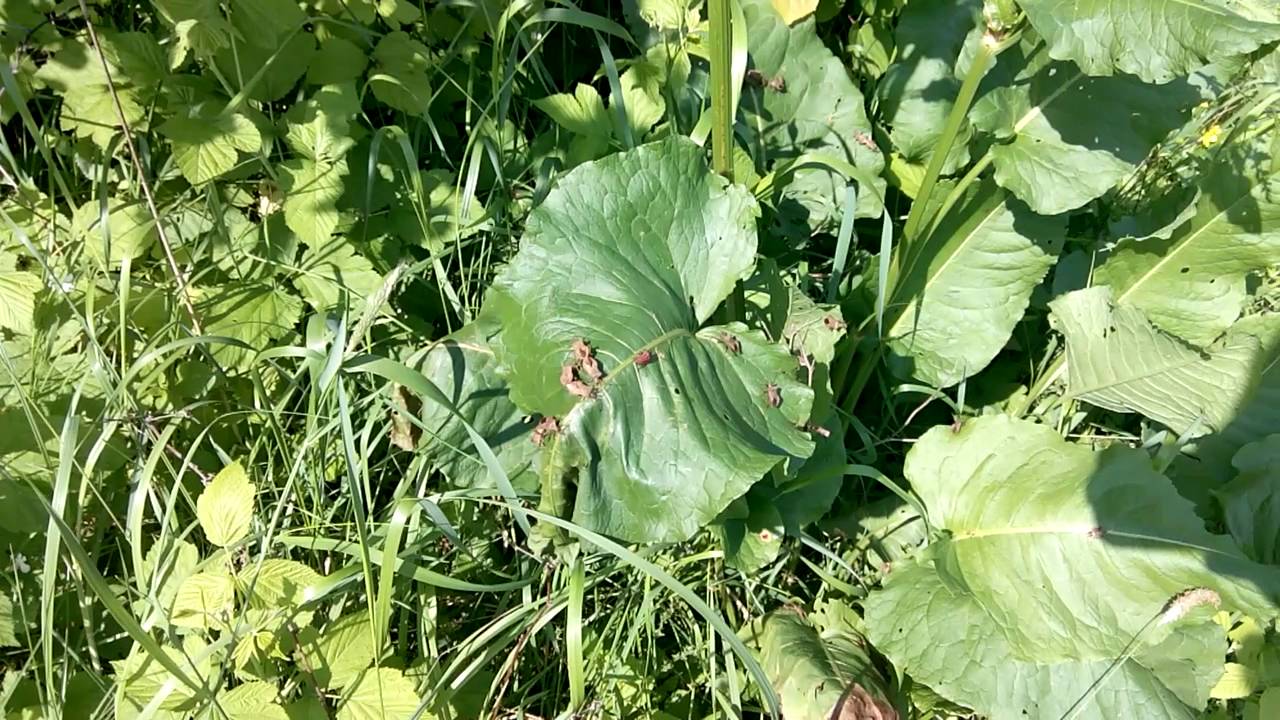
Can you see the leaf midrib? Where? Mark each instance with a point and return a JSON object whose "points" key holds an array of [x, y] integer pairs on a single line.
{"points": [[1080, 530]]}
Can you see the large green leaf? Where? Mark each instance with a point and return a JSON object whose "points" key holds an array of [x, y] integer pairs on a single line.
{"points": [[1065, 138], [1110, 549], [947, 640], [1193, 283], [207, 146], [631, 254], [281, 64], [311, 192], [464, 368], [1157, 41], [1117, 360], [918, 90], [18, 299], [815, 670], [969, 285], [252, 313], [332, 268], [818, 110]]}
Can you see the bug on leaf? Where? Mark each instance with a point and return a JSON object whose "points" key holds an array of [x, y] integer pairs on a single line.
{"points": [[644, 357], [546, 426], [865, 141], [773, 395], [730, 343]]}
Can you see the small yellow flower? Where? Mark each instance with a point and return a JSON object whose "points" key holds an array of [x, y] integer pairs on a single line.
{"points": [[1211, 135]]}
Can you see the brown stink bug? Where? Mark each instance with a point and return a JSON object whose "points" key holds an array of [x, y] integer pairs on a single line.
{"points": [[644, 357], [545, 427], [773, 395], [730, 343]]}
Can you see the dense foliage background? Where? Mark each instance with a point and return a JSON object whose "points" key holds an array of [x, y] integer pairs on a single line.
{"points": [[658, 359]]}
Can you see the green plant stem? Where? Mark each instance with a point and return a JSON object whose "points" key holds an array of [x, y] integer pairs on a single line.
{"points": [[720, 37]]}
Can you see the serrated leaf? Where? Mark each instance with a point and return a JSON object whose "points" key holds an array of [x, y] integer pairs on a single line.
{"points": [[820, 112], [463, 366], [400, 78], [204, 600], [331, 269], [225, 507], [1117, 360], [252, 701], [1237, 681], [252, 313], [206, 147], [381, 694], [1154, 40], [813, 672], [130, 231], [278, 583], [320, 127], [633, 253], [141, 678], [18, 299], [8, 623], [1193, 283], [336, 61], [339, 654], [961, 295], [1064, 138], [75, 72], [311, 191], [1009, 494]]}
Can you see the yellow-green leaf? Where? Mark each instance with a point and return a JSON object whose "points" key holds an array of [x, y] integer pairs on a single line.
{"points": [[341, 651], [203, 599], [1238, 681], [381, 694], [225, 508], [793, 11]]}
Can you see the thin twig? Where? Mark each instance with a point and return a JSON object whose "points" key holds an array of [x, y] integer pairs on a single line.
{"points": [[142, 177]]}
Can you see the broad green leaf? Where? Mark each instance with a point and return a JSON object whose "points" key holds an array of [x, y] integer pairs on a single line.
{"points": [[1011, 494], [967, 287], [919, 89], [820, 112], [642, 85], [336, 61], [945, 639], [225, 508], [255, 314], [631, 254], [320, 127], [164, 581], [141, 678], [814, 671], [278, 583], [400, 76], [311, 190], [1157, 41], [1251, 502], [18, 299], [339, 654], [1117, 360], [75, 72], [1194, 282], [282, 64], [204, 600], [667, 14], [252, 701], [380, 694], [581, 112], [1064, 138], [8, 623], [130, 231], [436, 219], [752, 531], [464, 368], [1108, 543], [333, 268], [265, 22], [206, 147]]}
